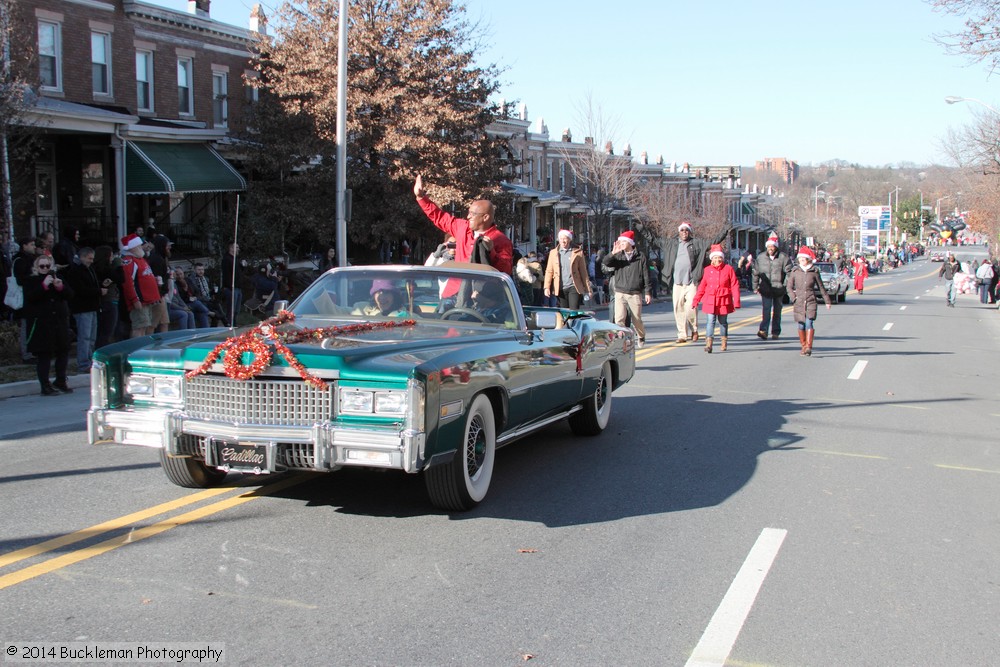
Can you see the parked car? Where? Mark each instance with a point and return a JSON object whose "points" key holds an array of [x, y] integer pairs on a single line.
{"points": [[836, 282], [937, 255], [422, 369]]}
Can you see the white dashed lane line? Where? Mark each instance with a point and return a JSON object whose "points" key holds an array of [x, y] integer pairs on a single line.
{"points": [[717, 642], [858, 369], [902, 307], [887, 326]]}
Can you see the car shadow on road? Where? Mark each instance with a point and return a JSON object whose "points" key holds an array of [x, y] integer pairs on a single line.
{"points": [[708, 452]]}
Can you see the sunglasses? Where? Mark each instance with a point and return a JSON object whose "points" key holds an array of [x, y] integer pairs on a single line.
{"points": [[45, 266]]}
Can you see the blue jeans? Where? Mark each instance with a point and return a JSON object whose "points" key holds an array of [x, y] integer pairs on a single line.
{"points": [[723, 321], [184, 318], [232, 301], [201, 312], [770, 313], [950, 290], [86, 336], [806, 326]]}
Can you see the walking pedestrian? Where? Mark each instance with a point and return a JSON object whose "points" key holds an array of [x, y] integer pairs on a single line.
{"points": [[683, 264], [860, 265], [984, 275], [719, 294], [948, 271], [566, 273], [769, 275], [802, 284], [631, 283]]}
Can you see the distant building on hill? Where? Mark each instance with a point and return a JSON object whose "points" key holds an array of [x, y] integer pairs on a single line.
{"points": [[783, 167]]}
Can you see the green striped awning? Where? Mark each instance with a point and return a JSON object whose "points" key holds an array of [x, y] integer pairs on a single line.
{"points": [[157, 168]]}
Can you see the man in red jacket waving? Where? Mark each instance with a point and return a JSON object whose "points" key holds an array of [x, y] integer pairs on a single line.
{"points": [[478, 228]]}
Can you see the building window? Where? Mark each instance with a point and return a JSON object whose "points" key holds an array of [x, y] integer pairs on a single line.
{"points": [[562, 177], [50, 55], [548, 177], [185, 92], [220, 95], [100, 62], [144, 80]]}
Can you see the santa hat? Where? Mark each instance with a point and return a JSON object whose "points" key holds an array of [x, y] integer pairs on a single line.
{"points": [[628, 236], [806, 251], [772, 240], [716, 251], [131, 241], [566, 233], [685, 225]]}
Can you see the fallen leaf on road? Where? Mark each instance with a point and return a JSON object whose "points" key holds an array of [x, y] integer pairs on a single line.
{"points": [[527, 551]]}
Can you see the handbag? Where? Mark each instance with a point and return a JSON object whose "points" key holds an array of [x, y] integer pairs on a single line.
{"points": [[14, 299]]}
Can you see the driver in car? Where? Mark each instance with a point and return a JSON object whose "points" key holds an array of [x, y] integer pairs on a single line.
{"points": [[490, 300]]}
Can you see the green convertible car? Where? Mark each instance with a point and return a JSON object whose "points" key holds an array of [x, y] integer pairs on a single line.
{"points": [[422, 369]]}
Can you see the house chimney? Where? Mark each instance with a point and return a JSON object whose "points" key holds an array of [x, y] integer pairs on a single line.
{"points": [[644, 157], [258, 20], [628, 150], [588, 141], [609, 148], [523, 111], [199, 8], [567, 136]]}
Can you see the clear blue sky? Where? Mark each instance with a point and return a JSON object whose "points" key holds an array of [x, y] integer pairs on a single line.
{"points": [[731, 82]]}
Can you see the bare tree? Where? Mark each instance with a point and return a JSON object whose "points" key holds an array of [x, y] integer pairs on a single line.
{"points": [[18, 137], [661, 208], [416, 103], [979, 41], [606, 183]]}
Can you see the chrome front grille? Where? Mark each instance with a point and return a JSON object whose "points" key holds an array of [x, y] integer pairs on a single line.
{"points": [[281, 402]]}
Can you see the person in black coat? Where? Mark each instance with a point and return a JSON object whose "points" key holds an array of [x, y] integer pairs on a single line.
{"points": [[85, 306], [46, 309]]}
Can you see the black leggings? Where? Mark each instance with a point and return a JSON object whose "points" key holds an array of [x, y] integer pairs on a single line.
{"points": [[43, 363]]}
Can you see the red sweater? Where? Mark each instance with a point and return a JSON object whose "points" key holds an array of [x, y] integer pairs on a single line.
{"points": [[502, 254], [139, 288]]}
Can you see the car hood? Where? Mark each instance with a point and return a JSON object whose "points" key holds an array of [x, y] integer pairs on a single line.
{"points": [[377, 351]]}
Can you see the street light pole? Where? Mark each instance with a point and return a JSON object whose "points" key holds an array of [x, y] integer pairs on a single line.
{"points": [[816, 199], [953, 99]]}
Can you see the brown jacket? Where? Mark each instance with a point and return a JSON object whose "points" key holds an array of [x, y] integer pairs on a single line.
{"points": [[578, 265]]}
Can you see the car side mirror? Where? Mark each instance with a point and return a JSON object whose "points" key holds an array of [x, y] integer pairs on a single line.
{"points": [[280, 305], [546, 319]]}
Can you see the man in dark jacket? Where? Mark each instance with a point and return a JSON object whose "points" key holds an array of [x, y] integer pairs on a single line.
{"points": [[769, 273], [684, 260], [948, 271], [85, 305], [159, 261], [632, 287]]}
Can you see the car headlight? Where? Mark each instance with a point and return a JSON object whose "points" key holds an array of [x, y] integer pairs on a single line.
{"points": [[388, 403], [154, 387]]}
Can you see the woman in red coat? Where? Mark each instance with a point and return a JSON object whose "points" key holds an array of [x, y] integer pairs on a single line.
{"points": [[719, 294], [860, 273]]}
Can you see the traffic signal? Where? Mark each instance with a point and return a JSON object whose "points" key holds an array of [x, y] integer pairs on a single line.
{"points": [[833, 224]]}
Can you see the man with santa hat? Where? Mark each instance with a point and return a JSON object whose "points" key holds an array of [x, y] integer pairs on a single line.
{"points": [[632, 287], [684, 260], [769, 274], [139, 288]]}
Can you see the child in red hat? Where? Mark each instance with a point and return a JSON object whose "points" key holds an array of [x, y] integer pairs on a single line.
{"points": [[803, 282], [719, 294]]}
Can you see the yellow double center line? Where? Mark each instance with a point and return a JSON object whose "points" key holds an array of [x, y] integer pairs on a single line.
{"points": [[131, 536]]}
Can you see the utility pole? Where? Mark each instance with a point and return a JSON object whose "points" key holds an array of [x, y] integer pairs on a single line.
{"points": [[341, 195]]}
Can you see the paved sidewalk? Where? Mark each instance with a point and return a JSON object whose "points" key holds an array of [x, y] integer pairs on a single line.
{"points": [[27, 413]]}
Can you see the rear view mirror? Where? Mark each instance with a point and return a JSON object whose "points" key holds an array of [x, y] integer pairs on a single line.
{"points": [[280, 305]]}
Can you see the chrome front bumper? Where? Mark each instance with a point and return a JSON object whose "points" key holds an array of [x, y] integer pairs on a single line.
{"points": [[327, 445]]}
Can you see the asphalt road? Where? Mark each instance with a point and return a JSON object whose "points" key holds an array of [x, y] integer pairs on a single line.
{"points": [[747, 508]]}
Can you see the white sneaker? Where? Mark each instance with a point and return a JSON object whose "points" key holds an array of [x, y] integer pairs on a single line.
{"points": [[641, 344]]}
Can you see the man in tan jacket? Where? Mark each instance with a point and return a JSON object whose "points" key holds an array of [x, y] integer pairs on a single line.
{"points": [[566, 273]]}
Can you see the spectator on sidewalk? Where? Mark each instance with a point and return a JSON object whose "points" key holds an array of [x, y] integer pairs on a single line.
{"points": [[109, 274], [191, 300], [47, 312], [21, 267], [139, 288], [85, 306]]}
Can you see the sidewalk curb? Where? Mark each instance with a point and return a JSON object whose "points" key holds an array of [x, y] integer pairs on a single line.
{"points": [[30, 387]]}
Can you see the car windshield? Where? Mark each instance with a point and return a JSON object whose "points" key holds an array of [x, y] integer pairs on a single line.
{"points": [[478, 297], [826, 267]]}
